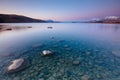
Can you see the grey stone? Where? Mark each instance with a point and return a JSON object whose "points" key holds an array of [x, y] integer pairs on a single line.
{"points": [[17, 65], [85, 77], [76, 62]]}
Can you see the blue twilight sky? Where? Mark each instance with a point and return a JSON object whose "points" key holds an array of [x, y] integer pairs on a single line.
{"points": [[61, 9]]}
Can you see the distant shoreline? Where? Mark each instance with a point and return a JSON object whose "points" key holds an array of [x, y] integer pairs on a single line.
{"points": [[63, 22], [102, 22]]}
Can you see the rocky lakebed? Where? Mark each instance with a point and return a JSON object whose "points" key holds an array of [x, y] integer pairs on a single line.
{"points": [[55, 57]]}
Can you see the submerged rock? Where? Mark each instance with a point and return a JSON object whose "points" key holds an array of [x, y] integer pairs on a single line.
{"points": [[55, 46], [50, 27], [116, 53], [38, 45], [41, 79], [9, 29], [6, 54], [29, 27], [17, 65], [61, 41], [46, 53], [76, 62], [88, 53], [85, 77], [52, 37], [66, 46]]}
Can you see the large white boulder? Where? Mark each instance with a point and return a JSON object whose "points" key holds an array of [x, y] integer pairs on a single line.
{"points": [[47, 53]]}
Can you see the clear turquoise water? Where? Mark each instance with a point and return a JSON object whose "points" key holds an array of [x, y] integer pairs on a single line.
{"points": [[96, 46]]}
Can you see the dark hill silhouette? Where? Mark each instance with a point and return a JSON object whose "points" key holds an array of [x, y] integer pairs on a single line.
{"points": [[13, 18]]}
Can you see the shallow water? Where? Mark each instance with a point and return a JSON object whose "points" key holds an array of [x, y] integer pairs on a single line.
{"points": [[95, 46]]}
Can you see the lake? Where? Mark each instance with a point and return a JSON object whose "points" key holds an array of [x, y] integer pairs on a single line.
{"points": [[83, 51]]}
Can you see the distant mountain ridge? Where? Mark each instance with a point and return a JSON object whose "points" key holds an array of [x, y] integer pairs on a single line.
{"points": [[13, 18]]}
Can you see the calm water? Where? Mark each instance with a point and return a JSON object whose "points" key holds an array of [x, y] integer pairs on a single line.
{"points": [[95, 46]]}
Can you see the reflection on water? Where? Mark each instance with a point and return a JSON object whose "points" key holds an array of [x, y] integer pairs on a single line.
{"points": [[112, 27], [4, 28], [82, 51]]}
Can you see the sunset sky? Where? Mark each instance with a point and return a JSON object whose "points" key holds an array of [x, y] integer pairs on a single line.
{"points": [[61, 9]]}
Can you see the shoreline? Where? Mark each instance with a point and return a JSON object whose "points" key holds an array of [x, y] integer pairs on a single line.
{"points": [[10, 28]]}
